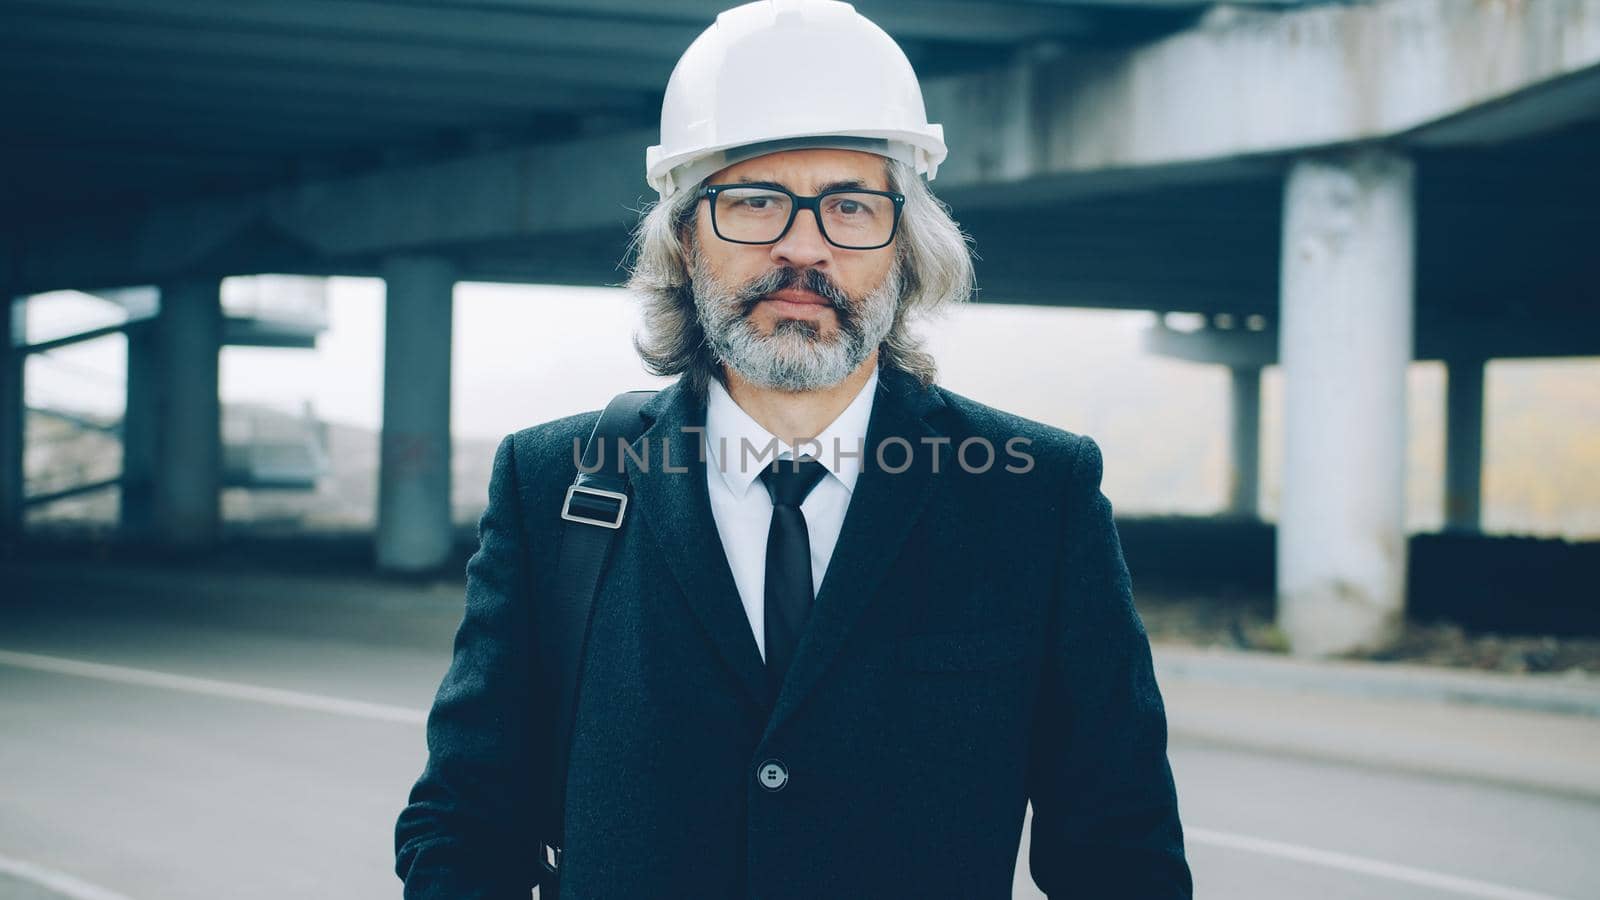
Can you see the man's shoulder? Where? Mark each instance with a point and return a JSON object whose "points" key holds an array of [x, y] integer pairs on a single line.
{"points": [[976, 419], [545, 451], [555, 435], [1067, 461]]}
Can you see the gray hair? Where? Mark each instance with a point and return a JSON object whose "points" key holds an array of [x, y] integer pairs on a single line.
{"points": [[932, 254]]}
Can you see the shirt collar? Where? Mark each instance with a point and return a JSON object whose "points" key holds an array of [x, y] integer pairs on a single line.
{"points": [[842, 443]]}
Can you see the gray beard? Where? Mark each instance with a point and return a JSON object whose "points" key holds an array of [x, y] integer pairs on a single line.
{"points": [[795, 356]]}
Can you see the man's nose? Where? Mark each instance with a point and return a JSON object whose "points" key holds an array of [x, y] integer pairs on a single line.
{"points": [[803, 245]]}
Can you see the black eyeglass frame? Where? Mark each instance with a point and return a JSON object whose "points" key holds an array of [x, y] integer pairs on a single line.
{"points": [[813, 203]]}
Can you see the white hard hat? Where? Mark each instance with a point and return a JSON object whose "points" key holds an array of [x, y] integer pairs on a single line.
{"points": [[784, 74]]}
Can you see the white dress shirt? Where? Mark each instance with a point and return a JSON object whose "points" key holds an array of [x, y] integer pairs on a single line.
{"points": [[743, 508]]}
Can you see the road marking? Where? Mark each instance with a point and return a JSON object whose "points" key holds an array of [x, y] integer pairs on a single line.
{"points": [[60, 882], [232, 690], [1466, 887]]}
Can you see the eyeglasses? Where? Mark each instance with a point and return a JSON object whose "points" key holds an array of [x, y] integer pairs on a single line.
{"points": [[849, 218]]}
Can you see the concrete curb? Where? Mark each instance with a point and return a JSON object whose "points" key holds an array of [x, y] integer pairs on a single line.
{"points": [[1536, 732], [1572, 694]]}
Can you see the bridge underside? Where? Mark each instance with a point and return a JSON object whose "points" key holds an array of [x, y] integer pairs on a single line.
{"points": [[1337, 189]]}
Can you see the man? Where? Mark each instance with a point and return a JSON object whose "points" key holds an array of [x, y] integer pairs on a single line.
{"points": [[843, 674]]}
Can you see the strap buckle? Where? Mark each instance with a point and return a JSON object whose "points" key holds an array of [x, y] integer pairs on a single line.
{"points": [[594, 506], [551, 856]]}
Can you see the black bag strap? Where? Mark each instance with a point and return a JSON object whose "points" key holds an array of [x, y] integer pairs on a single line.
{"points": [[595, 506]]}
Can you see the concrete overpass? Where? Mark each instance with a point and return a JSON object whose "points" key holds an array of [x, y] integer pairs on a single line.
{"points": [[1353, 185]]}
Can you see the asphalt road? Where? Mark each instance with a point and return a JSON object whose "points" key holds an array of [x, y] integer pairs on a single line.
{"points": [[242, 740]]}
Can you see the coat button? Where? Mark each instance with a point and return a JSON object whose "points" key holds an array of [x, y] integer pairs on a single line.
{"points": [[772, 774]]}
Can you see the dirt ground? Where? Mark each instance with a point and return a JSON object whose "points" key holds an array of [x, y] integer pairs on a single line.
{"points": [[1242, 619]]}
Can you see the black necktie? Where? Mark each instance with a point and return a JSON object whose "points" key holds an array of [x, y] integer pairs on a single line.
{"points": [[788, 587]]}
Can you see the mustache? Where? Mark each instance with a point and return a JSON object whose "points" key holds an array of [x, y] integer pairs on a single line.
{"points": [[813, 280]]}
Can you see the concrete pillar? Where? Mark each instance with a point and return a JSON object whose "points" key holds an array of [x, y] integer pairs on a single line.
{"points": [[414, 525], [1344, 344], [12, 432], [1244, 477], [186, 501], [141, 430], [1463, 445]]}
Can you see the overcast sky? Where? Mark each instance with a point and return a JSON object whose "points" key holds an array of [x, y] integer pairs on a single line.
{"points": [[527, 354], [523, 354]]}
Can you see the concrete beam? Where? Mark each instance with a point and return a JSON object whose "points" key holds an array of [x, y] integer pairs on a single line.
{"points": [[141, 36], [482, 199], [952, 20], [1230, 98], [1502, 337], [476, 27], [1252, 83], [154, 72]]}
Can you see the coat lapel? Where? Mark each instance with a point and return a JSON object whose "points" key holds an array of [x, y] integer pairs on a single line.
{"points": [[677, 510]]}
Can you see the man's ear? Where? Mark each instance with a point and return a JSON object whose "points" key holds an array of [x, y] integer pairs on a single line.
{"points": [[686, 225], [685, 235]]}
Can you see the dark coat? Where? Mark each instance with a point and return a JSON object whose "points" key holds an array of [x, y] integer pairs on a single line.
{"points": [[973, 646]]}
